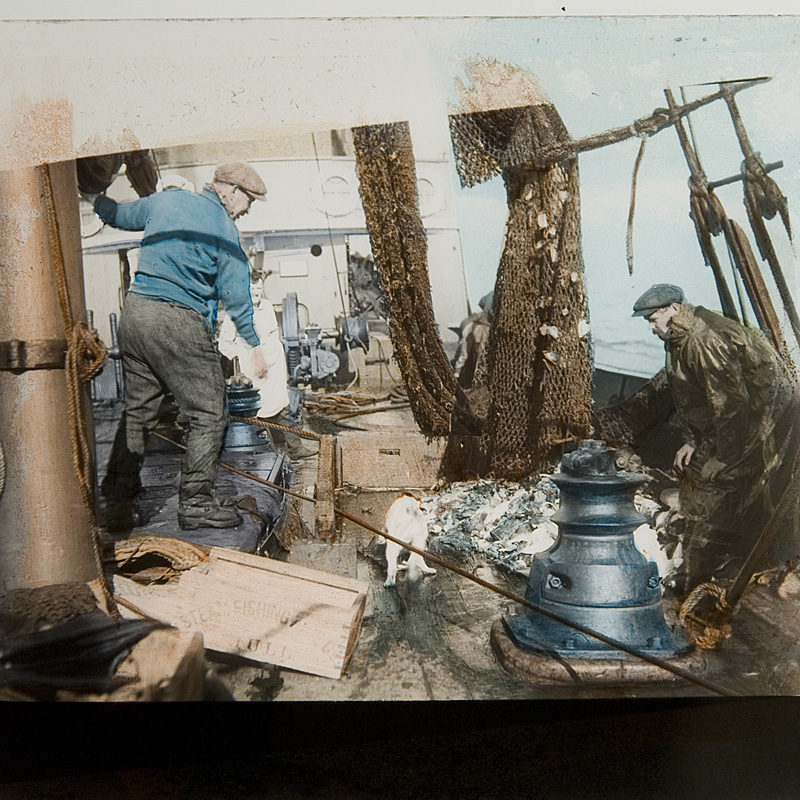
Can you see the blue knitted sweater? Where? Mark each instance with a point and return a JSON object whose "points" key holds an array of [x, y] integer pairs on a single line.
{"points": [[190, 254]]}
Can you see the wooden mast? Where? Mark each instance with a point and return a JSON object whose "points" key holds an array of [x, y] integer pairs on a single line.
{"points": [[44, 522]]}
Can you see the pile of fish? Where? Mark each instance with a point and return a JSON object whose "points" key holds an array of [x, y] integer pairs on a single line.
{"points": [[510, 522], [506, 521]]}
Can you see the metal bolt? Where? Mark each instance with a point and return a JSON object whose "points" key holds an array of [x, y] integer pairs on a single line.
{"points": [[653, 581], [554, 582]]}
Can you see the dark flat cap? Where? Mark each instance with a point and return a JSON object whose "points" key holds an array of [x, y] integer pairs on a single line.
{"points": [[243, 176], [658, 296]]}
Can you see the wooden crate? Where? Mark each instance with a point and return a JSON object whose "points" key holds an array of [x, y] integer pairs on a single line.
{"points": [[263, 610], [388, 460], [369, 505]]}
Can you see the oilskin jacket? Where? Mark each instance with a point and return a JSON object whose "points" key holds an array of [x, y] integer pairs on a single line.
{"points": [[190, 254], [735, 397]]}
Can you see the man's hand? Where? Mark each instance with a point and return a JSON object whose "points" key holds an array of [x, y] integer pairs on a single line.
{"points": [[683, 457], [257, 363]]}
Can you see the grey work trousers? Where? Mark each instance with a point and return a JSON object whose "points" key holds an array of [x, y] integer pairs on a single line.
{"points": [[167, 348]]}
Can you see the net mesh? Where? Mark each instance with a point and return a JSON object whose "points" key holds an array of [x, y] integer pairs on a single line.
{"points": [[388, 186], [538, 359]]}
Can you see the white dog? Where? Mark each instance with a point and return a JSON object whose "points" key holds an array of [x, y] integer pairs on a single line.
{"points": [[406, 521]]}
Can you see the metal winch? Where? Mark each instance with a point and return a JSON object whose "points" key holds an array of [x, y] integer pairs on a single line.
{"points": [[308, 362], [243, 400], [594, 575]]}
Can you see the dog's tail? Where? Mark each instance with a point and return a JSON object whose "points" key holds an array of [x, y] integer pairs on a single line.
{"points": [[414, 569]]}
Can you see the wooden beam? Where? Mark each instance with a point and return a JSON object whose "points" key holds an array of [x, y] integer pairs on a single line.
{"points": [[44, 523], [659, 119], [754, 212], [702, 197], [650, 124], [325, 518], [756, 288]]}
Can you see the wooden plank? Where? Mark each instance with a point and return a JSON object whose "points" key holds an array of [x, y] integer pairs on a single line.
{"points": [[756, 287], [263, 610], [315, 591], [389, 460], [325, 518], [296, 570], [369, 505]]}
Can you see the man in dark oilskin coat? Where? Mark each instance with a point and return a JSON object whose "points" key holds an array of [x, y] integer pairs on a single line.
{"points": [[737, 403], [190, 260]]}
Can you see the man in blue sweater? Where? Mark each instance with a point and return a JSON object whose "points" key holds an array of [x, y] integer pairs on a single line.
{"points": [[190, 259]]}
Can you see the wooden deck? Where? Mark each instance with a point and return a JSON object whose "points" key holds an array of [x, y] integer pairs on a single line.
{"points": [[431, 641]]}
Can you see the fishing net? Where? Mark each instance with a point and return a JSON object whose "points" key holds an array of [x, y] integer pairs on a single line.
{"points": [[629, 422], [538, 358], [388, 185]]}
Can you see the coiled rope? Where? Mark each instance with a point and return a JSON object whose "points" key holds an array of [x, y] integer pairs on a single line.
{"points": [[86, 354]]}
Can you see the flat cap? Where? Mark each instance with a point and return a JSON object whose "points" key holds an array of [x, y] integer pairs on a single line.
{"points": [[243, 176], [658, 296]]}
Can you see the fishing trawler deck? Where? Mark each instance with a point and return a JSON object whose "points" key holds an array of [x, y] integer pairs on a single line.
{"points": [[433, 640]]}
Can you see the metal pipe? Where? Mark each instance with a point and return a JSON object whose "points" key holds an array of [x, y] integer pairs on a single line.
{"points": [[771, 167], [116, 356]]}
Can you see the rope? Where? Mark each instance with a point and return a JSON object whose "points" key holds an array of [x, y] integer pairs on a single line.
{"points": [[84, 361], [679, 671], [375, 410], [263, 423], [384, 359], [328, 220], [2, 469], [336, 402], [85, 356], [634, 179], [705, 614]]}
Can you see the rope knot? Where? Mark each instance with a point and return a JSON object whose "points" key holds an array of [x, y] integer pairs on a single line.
{"points": [[86, 351], [706, 614], [659, 119]]}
